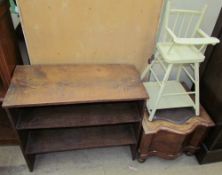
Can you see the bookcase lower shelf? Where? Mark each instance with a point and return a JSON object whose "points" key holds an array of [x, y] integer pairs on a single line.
{"points": [[79, 138]]}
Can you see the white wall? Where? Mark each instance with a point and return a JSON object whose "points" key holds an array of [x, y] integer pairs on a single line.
{"points": [[15, 20], [212, 13], [214, 7]]}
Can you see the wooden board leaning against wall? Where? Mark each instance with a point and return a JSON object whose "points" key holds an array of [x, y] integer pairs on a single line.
{"points": [[85, 31]]}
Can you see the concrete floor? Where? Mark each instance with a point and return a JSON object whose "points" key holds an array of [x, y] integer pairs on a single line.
{"points": [[103, 161]]}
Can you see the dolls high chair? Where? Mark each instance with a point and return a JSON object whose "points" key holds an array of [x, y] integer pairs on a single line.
{"points": [[182, 48]]}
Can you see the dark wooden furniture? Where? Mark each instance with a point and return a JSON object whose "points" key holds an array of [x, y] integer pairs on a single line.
{"points": [[169, 140], [211, 98], [67, 107], [9, 57]]}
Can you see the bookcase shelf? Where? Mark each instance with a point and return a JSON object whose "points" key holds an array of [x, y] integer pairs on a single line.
{"points": [[78, 115], [79, 138]]}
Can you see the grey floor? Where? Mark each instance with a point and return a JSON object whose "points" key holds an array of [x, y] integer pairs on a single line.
{"points": [[103, 161]]}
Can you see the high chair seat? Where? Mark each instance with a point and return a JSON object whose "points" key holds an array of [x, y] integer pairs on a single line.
{"points": [[180, 54]]}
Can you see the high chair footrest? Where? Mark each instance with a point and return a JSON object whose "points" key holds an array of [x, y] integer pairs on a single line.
{"points": [[172, 101]]}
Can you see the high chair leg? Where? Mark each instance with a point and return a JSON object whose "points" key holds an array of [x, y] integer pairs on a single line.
{"points": [[146, 72], [179, 72], [163, 84], [197, 89]]}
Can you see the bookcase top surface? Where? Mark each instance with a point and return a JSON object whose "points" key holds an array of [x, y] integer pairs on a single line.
{"points": [[41, 85]]}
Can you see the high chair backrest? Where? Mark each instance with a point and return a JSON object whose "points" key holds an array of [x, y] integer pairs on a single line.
{"points": [[184, 23]]}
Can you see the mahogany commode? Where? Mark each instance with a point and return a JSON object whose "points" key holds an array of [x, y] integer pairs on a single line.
{"points": [[67, 107], [169, 140]]}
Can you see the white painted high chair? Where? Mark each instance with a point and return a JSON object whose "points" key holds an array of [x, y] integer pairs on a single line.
{"points": [[182, 47]]}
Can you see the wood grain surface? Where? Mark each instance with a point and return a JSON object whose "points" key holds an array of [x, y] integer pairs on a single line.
{"points": [[71, 84], [9, 57]]}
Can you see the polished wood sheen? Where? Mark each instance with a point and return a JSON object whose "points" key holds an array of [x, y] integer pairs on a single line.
{"points": [[9, 58], [67, 107], [71, 84], [9, 52], [169, 140]]}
